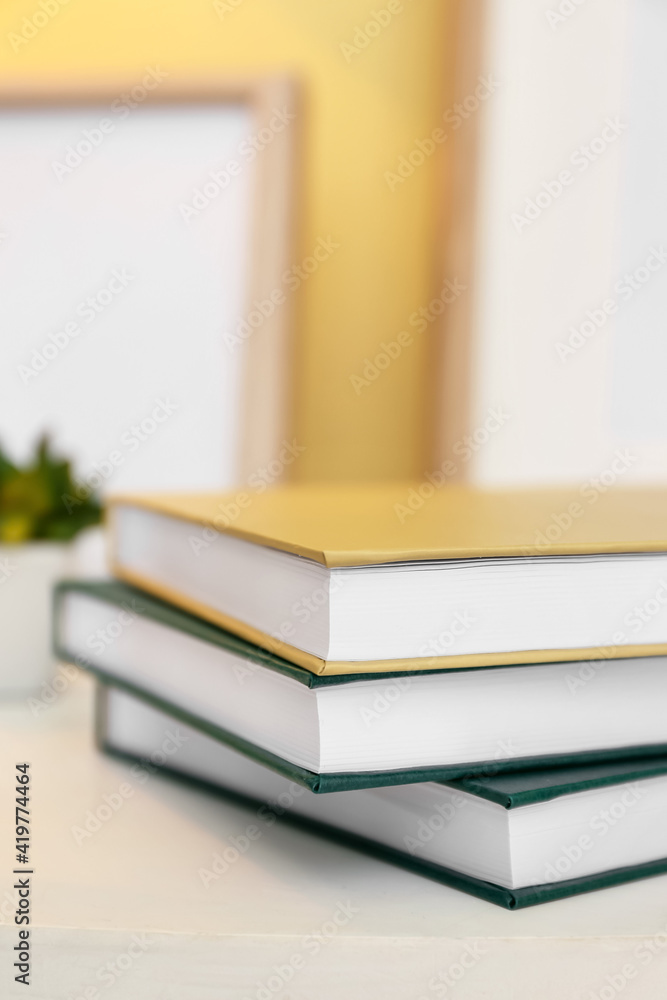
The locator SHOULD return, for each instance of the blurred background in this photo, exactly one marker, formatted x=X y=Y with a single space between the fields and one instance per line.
x=244 y=241
x=362 y=106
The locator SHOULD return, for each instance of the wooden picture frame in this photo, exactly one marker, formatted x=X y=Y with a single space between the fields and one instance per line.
x=553 y=201
x=452 y=373
x=266 y=391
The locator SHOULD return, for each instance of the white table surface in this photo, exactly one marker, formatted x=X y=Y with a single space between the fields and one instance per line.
x=138 y=875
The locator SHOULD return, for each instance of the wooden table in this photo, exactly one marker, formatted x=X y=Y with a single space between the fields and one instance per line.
x=124 y=913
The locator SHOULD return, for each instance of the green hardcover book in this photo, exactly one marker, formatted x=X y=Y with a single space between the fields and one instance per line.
x=344 y=731
x=513 y=839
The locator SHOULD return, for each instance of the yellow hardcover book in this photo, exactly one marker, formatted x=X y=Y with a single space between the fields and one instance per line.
x=354 y=579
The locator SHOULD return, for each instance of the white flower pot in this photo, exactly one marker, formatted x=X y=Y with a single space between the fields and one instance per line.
x=27 y=575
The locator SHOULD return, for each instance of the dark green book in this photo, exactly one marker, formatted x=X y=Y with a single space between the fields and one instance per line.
x=343 y=731
x=513 y=839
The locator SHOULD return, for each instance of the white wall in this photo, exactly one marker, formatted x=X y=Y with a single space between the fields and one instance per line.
x=566 y=70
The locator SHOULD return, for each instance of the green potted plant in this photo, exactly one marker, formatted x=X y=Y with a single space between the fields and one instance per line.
x=38 y=521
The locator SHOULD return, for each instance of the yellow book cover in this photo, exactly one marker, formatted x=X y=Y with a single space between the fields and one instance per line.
x=371 y=525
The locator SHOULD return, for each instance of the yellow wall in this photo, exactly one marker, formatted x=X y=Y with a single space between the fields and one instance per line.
x=363 y=111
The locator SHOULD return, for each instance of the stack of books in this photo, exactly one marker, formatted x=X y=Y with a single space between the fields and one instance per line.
x=472 y=685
